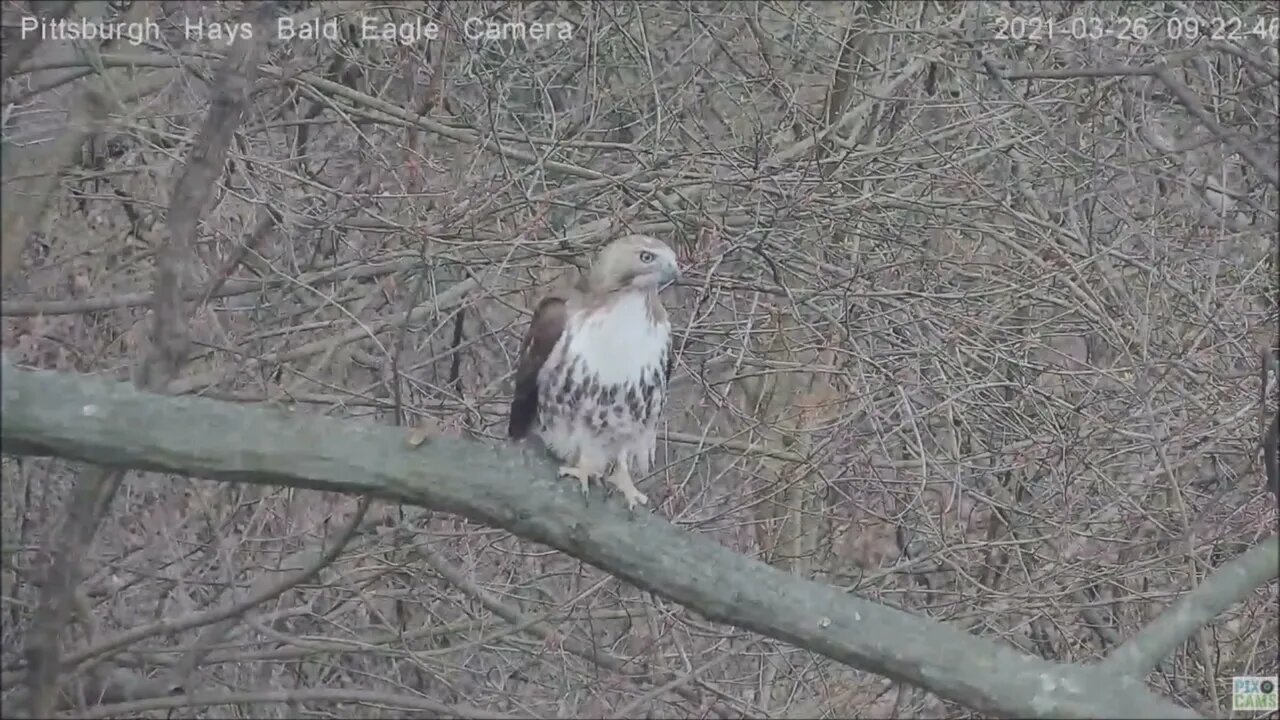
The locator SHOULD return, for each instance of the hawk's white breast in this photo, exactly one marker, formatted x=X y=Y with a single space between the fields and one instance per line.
x=620 y=342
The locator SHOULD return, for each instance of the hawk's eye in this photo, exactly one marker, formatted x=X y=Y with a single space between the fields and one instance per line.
x=646 y=257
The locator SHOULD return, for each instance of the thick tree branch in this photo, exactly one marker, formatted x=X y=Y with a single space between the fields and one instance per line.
x=1227 y=586
x=115 y=424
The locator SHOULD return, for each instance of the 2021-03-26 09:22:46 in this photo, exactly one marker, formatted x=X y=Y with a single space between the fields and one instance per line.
x=1083 y=27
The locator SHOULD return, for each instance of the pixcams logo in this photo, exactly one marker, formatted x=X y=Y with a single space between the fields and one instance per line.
x=1254 y=693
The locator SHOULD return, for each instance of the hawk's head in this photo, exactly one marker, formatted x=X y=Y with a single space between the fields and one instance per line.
x=634 y=261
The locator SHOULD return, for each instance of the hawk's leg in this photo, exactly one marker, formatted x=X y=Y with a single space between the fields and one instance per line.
x=621 y=479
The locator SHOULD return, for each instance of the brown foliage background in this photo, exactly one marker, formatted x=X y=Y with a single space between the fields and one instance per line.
x=962 y=329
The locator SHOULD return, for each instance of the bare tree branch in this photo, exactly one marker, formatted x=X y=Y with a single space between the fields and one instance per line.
x=120 y=685
x=27 y=308
x=543 y=630
x=1230 y=584
x=382 y=700
x=1270 y=451
x=1193 y=106
x=446 y=300
x=191 y=193
x=18 y=50
x=1180 y=91
x=88 y=504
x=114 y=424
x=25 y=205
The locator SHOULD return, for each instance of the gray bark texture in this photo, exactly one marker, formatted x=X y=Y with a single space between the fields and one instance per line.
x=114 y=424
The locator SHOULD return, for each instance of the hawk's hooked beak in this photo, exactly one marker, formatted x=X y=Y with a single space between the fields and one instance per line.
x=670 y=273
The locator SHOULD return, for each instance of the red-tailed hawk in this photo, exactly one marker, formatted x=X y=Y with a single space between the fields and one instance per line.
x=593 y=368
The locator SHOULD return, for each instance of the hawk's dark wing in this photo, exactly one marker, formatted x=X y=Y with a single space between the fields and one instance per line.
x=543 y=333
